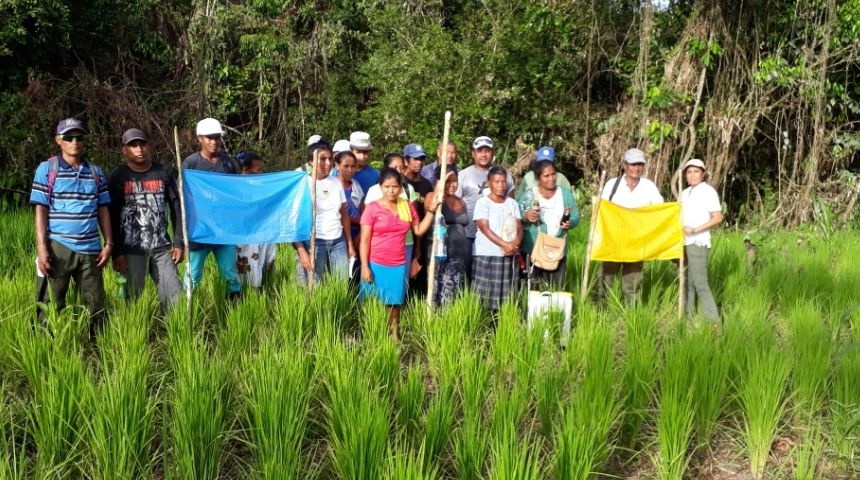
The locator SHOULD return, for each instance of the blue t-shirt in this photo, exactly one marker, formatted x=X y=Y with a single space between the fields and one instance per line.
x=73 y=207
x=366 y=177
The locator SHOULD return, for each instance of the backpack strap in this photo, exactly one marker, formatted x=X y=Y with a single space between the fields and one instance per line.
x=615 y=186
x=53 y=169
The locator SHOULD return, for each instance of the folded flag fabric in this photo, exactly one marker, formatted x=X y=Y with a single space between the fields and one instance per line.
x=226 y=209
x=623 y=234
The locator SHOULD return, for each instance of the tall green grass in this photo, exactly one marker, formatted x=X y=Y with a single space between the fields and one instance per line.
x=810 y=348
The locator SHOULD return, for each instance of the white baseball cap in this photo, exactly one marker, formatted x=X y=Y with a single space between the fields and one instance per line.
x=694 y=162
x=340 y=146
x=360 y=141
x=634 y=156
x=209 y=126
x=481 y=142
x=314 y=139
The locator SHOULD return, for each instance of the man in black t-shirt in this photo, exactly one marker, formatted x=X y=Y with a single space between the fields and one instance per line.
x=142 y=192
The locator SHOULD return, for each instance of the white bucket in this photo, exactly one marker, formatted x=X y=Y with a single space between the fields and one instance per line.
x=541 y=303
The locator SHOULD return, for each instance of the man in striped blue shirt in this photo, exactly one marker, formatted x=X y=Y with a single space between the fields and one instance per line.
x=70 y=196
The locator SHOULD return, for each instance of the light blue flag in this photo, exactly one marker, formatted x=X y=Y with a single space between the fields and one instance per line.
x=224 y=209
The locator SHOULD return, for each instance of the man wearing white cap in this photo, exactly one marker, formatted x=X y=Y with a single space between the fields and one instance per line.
x=629 y=190
x=209 y=159
x=365 y=175
x=700 y=211
x=473 y=179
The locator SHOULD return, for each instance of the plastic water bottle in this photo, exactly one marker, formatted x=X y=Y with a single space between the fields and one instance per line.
x=440 y=239
x=120 y=286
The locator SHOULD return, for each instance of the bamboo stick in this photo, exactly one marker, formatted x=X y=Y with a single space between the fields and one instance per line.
x=583 y=291
x=440 y=197
x=681 y=273
x=313 y=250
x=184 y=226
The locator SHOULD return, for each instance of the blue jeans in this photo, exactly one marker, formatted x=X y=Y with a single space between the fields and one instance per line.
x=225 y=256
x=331 y=256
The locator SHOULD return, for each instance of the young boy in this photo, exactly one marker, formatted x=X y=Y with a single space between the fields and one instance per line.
x=254 y=260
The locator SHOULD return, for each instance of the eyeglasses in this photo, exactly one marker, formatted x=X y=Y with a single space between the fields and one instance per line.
x=72 y=138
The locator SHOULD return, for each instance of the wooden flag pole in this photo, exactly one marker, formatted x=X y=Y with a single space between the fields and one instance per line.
x=313 y=251
x=440 y=198
x=184 y=226
x=583 y=291
x=681 y=273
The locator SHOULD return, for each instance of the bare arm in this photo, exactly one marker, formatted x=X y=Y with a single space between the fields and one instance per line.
x=42 y=239
x=346 y=222
x=364 y=253
x=107 y=233
x=716 y=219
x=509 y=248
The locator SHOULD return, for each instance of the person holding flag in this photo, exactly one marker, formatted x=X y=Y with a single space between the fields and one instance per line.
x=700 y=211
x=629 y=190
x=210 y=159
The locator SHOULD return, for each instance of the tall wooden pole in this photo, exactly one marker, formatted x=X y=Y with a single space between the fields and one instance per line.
x=440 y=198
x=184 y=226
x=595 y=208
x=681 y=273
x=313 y=252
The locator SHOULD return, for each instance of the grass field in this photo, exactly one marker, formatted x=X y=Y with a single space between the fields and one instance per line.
x=287 y=385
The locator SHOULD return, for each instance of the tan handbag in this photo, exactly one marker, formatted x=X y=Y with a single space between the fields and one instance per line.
x=548 y=251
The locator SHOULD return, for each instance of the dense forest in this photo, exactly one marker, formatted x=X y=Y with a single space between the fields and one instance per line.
x=765 y=91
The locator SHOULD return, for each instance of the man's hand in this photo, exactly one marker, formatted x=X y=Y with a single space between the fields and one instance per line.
x=120 y=264
x=304 y=259
x=45 y=261
x=177 y=254
x=104 y=256
x=414 y=268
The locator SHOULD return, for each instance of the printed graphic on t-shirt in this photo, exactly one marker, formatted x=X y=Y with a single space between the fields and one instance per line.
x=144 y=216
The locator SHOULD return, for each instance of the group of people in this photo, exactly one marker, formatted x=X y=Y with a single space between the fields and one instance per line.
x=371 y=226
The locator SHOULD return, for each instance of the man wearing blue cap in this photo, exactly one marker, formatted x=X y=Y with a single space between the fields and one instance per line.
x=413 y=155
x=528 y=181
x=629 y=190
x=71 y=198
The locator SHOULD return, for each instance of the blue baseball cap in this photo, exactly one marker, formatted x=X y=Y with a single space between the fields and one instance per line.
x=69 y=124
x=414 y=150
x=545 y=153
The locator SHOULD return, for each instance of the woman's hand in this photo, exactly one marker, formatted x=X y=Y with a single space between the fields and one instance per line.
x=366 y=274
x=533 y=214
x=510 y=248
x=565 y=225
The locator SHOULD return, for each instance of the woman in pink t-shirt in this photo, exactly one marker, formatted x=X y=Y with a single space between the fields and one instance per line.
x=382 y=247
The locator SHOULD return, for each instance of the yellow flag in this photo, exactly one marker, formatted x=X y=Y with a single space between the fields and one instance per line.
x=623 y=234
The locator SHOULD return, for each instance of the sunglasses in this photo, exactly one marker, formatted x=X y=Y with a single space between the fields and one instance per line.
x=213 y=136
x=72 y=138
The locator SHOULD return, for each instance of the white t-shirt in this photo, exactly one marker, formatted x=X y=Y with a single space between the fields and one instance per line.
x=502 y=218
x=252 y=259
x=644 y=193
x=330 y=198
x=472 y=185
x=551 y=211
x=697 y=204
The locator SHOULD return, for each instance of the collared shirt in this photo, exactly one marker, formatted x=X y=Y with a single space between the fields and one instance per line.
x=644 y=193
x=73 y=206
x=697 y=204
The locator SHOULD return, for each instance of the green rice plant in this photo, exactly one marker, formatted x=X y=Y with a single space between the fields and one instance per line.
x=640 y=369
x=242 y=320
x=710 y=382
x=201 y=400
x=290 y=312
x=409 y=465
x=808 y=453
x=474 y=371
x=276 y=406
x=533 y=346
x=845 y=406
x=516 y=460
x=811 y=348
x=444 y=342
x=471 y=441
x=120 y=409
x=678 y=398
x=381 y=355
x=438 y=424
x=509 y=410
x=357 y=417
x=583 y=438
x=548 y=389
x=506 y=343
x=14 y=463
x=762 y=396
x=409 y=399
